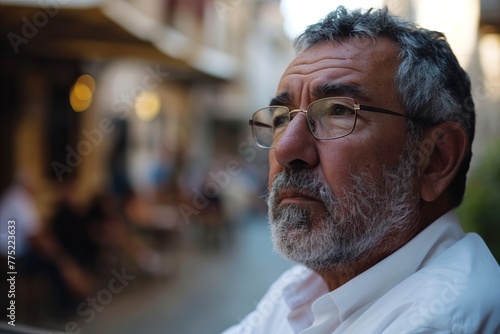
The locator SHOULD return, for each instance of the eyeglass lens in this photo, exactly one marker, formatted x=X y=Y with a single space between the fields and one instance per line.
x=327 y=119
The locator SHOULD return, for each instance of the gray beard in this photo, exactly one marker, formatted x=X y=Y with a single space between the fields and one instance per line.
x=348 y=227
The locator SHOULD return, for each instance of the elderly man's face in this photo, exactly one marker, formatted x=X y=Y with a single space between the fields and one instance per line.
x=334 y=200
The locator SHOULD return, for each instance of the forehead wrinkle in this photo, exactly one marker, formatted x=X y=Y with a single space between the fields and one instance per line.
x=322 y=65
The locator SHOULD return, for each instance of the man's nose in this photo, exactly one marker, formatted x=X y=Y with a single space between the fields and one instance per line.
x=297 y=148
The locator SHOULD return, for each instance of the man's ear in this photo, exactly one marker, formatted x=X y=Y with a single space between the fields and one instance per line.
x=442 y=151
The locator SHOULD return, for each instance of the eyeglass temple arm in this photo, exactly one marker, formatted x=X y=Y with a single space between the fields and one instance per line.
x=252 y=122
x=382 y=111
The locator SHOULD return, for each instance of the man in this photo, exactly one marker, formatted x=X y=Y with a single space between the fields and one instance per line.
x=370 y=139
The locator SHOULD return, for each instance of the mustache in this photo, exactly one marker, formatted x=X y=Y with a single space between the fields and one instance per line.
x=301 y=180
x=297 y=179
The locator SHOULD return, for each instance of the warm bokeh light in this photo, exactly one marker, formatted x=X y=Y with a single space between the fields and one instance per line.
x=81 y=93
x=147 y=105
x=88 y=81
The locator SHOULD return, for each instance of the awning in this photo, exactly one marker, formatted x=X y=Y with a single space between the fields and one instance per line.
x=89 y=30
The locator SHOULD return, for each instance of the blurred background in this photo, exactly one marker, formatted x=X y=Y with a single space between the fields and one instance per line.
x=127 y=162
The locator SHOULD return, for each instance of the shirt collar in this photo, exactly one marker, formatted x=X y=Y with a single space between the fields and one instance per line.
x=303 y=288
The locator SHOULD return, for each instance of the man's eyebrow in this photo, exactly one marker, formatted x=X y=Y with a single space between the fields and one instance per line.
x=283 y=99
x=339 y=89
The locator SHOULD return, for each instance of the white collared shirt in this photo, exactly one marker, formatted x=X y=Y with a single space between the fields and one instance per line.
x=441 y=281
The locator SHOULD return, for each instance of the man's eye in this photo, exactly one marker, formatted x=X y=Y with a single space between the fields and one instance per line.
x=340 y=110
x=281 y=120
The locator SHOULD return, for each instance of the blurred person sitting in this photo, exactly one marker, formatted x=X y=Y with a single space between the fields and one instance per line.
x=38 y=254
x=62 y=256
x=369 y=139
x=18 y=208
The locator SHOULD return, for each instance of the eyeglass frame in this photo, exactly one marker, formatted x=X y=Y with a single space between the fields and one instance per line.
x=357 y=107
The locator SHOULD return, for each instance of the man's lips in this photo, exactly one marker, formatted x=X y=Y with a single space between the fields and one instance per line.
x=295 y=196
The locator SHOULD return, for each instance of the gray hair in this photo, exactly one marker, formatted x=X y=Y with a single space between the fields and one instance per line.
x=431 y=85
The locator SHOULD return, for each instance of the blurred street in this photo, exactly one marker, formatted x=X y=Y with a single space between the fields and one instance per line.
x=210 y=291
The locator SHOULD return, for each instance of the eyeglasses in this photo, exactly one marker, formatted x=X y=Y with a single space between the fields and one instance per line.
x=328 y=118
